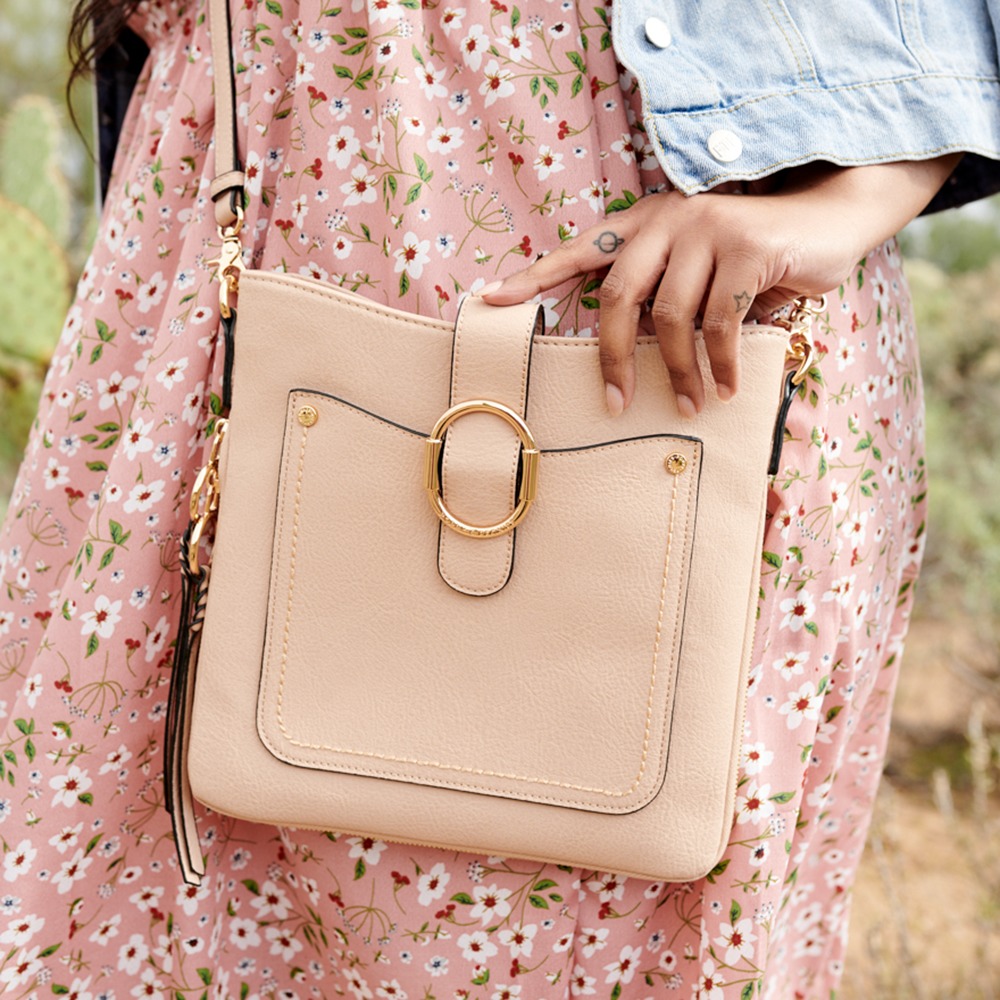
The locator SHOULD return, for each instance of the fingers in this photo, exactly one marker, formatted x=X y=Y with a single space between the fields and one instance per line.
x=592 y=249
x=674 y=310
x=730 y=298
x=622 y=296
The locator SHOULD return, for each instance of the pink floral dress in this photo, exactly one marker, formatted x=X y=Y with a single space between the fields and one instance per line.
x=412 y=150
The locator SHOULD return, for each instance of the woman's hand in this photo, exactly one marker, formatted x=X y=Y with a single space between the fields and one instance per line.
x=724 y=258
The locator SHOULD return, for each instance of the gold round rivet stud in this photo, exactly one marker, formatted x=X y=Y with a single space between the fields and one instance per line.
x=308 y=415
x=675 y=463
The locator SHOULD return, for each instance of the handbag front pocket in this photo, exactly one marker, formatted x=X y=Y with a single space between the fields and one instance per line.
x=556 y=689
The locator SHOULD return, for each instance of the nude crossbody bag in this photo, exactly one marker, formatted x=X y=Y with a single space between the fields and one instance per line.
x=453 y=602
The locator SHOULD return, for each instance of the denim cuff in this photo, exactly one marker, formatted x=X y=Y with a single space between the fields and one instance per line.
x=909 y=118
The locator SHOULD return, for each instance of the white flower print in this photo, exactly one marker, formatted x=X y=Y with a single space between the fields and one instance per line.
x=21 y=930
x=490 y=903
x=71 y=871
x=547 y=162
x=592 y=941
x=115 y=760
x=413 y=125
x=738 y=940
x=106 y=929
x=157 y=637
x=66 y=838
x=367 y=848
x=341 y=246
x=360 y=188
x=429 y=79
x=475 y=43
x=243 y=933
x=69 y=785
x=802 y=704
x=55 y=474
x=283 y=943
x=32 y=689
x=753 y=804
x=791 y=664
x=382 y=11
x=271 y=901
x=503 y=992
x=132 y=955
x=623 y=970
x=595 y=194
x=497 y=83
x=608 y=886
x=444 y=140
x=516 y=41
x=142 y=496
x=451 y=19
x=520 y=940
x=136 y=439
x=413 y=254
x=854 y=527
x=582 y=985
x=431 y=885
x=24 y=967
x=151 y=292
x=386 y=50
x=102 y=619
x=18 y=860
x=798 y=611
x=624 y=148
x=115 y=389
x=710 y=983
x=343 y=146
x=756 y=757
x=172 y=374
x=477 y=947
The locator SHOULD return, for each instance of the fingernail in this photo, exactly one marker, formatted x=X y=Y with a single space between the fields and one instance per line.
x=724 y=392
x=686 y=407
x=491 y=287
x=616 y=401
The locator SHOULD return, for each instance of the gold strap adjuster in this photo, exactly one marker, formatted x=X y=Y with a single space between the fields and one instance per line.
x=529 y=469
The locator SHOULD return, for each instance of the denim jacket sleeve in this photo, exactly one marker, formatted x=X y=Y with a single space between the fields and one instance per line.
x=739 y=89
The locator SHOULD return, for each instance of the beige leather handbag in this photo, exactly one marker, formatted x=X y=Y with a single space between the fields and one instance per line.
x=453 y=602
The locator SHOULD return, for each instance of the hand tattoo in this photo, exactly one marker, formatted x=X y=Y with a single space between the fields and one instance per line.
x=743 y=301
x=608 y=242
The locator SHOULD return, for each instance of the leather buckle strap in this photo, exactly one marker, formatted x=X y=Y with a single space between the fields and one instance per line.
x=481 y=468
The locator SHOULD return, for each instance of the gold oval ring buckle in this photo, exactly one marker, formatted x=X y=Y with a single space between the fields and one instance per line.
x=529 y=469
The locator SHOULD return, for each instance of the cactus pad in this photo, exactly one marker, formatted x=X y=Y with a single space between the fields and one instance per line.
x=34 y=286
x=29 y=163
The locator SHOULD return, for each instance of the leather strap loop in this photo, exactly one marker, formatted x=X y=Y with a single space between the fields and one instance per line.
x=480 y=464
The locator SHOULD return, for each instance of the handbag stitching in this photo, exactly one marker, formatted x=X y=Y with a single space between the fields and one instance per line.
x=696 y=450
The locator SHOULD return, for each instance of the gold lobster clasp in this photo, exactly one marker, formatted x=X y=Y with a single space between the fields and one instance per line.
x=229 y=263
x=799 y=326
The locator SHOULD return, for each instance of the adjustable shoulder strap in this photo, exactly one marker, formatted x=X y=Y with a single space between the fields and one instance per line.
x=227 y=185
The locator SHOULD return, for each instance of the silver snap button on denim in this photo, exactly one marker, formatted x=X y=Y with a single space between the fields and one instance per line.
x=657 y=32
x=725 y=146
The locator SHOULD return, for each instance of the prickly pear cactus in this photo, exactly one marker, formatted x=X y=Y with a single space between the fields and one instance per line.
x=29 y=163
x=34 y=286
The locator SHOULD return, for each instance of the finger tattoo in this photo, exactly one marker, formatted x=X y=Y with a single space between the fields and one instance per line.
x=608 y=242
x=743 y=300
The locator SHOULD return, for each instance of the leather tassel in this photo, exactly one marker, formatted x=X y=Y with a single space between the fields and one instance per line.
x=177 y=788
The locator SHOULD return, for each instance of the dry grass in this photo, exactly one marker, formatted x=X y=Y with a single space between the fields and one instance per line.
x=926 y=917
